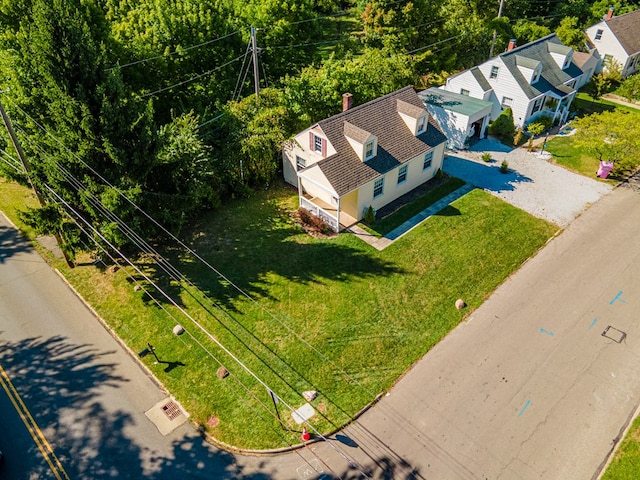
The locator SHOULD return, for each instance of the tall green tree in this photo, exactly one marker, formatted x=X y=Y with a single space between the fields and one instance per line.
x=612 y=136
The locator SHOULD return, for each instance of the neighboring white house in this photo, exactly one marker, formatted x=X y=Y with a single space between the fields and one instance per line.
x=461 y=117
x=367 y=155
x=539 y=78
x=618 y=38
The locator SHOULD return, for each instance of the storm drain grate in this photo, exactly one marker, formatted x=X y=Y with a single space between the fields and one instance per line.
x=171 y=410
x=614 y=334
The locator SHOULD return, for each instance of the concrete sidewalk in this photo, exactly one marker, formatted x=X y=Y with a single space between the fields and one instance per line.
x=380 y=243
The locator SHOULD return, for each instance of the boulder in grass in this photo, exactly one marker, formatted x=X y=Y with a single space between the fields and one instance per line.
x=460 y=304
x=222 y=372
x=310 y=395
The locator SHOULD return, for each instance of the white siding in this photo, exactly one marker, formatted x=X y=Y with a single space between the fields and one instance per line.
x=466 y=81
x=506 y=86
x=608 y=43
x=415 y=177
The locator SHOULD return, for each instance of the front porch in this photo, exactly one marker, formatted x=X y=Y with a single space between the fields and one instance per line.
x=338 y=221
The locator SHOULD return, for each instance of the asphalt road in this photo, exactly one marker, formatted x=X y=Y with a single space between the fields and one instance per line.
x=85 y=394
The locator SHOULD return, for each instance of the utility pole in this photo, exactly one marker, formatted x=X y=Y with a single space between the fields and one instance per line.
x=27 y=169
x=495 y=34
x=254 y=56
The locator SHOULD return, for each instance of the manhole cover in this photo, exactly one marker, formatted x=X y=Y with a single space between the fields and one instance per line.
x=614 y=334
x=171 y=410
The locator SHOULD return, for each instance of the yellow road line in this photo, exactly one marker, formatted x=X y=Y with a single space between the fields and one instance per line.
x=35 y=432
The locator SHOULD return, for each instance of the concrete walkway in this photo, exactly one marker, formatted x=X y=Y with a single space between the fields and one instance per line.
x=380 y=243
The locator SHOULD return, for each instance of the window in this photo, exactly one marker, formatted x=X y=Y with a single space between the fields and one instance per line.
x=506 y=102
x=300 y=163
x=378 y=187
x=402 y=174
x=607 y=58
x=464 y=91
x=537 y=105
x=421 y=122
x=368 y=153
x=428 y=158
x=317 y=144
x=536 y=76
x=598 y=34
x=566 y=63
x=494 y=72
x=571 y=84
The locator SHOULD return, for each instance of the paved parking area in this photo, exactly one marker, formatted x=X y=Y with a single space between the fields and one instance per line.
x=533 y=183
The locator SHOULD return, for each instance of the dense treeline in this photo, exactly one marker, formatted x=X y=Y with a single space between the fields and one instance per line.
x=155 y=95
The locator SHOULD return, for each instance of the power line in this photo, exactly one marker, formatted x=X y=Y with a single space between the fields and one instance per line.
x=182 y=50
x=191 y=79
x=436 y=43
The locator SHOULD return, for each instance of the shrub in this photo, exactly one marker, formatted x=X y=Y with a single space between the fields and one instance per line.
x=316 y=223
x=503 y=126
x=439 y=174
x=517 y=140
x=370 y=216
x=504 y=166
x=630 y=88
x=486 y=156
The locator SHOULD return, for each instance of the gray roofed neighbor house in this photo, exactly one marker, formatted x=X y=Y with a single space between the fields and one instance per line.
x=553 y=77
x=396 y=143
x=626 y=28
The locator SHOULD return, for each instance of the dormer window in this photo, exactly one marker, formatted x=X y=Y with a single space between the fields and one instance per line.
x=421 y=124
x=494 y=72
x=536 y=76
x=368 y=152
x=317 y=144
x=598 y=34
x=566 y=62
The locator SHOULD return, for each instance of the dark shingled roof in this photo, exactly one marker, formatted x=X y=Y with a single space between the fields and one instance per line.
x=396 y=144
x=626 y=28
x=553 y=77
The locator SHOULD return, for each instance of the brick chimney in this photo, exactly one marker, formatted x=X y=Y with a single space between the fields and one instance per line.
x=609 y=15
x=347 y=100
x=512 y=44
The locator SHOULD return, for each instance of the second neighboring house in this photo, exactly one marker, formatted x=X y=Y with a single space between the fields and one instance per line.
x=618 y=38
x=368 y=155
x=539 y=78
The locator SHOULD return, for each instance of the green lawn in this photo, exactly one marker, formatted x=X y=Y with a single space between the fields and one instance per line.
x=563 y=149
x=626 y=462
x=333 y=315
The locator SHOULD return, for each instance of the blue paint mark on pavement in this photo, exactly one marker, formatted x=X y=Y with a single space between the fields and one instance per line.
x=593 y=323
x=525 y=407
x=543 y=330
x=617 y=297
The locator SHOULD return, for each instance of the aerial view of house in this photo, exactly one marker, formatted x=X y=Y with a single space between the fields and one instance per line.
x=538 y=78
x=366 y=156
x=618 y=38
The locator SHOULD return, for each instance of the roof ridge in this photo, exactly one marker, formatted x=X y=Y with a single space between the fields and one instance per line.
x=528 y=45
x=359 y=107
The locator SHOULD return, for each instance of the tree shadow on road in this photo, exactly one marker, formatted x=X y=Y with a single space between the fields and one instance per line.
x=60 y=384
x=12 y=243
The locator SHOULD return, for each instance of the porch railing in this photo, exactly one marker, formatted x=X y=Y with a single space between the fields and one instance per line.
x=319 y=212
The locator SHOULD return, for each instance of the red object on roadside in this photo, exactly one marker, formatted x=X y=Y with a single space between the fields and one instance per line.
x=305 y=435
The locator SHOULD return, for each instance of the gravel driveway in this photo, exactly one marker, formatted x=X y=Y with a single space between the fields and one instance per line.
x=533 y=183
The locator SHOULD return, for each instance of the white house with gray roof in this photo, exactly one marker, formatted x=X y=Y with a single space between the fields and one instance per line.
x=368 y=155
x=539 y=78
x=618 y=38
